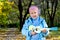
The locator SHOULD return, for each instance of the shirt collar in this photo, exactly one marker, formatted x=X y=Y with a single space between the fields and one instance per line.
x=35 y=19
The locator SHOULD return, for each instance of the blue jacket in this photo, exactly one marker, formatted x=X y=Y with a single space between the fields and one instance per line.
x=36 y=22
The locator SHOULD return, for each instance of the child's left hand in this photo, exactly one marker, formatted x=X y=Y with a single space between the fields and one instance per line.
x=44 y=30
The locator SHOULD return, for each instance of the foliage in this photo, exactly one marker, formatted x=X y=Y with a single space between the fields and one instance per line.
x=8 y=12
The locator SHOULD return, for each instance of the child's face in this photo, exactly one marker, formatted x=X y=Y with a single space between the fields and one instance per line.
x=34 y=13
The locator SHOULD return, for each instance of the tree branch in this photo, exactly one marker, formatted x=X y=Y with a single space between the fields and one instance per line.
x=27 y=12
x=56 y=3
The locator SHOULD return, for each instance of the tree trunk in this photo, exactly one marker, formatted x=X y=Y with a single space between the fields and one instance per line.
x=51 y=22
x=20 y=10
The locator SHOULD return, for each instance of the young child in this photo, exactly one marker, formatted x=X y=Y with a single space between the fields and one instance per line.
x=35 y=20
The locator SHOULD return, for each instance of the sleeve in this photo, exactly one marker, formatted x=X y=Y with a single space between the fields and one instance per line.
x=25 y=30
x=45 y=26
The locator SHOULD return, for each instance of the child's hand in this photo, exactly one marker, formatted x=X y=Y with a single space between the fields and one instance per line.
x=44 y=30
x=33 y=33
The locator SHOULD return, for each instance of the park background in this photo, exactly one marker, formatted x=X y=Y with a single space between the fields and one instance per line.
x=13 y=14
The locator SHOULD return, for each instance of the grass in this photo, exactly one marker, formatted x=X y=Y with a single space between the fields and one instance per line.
x=54 y=35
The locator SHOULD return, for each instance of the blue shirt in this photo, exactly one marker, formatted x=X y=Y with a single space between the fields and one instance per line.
x=36 y=22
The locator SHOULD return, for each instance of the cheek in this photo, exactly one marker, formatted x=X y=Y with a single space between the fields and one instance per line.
x=37 y=14
x=31 y=15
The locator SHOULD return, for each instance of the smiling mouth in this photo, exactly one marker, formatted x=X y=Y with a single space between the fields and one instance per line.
x=34 y=16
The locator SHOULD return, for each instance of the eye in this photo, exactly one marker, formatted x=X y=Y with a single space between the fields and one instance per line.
x=31 y=13
x=34 y=12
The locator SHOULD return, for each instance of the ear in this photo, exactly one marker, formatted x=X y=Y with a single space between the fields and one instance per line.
x=39 y=11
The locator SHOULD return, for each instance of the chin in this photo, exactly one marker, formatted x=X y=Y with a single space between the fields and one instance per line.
x=34 y=17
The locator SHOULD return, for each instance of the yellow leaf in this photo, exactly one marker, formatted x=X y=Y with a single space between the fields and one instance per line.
x=0 y=11
x=8 y=2
x=1 y=3
x=0 y=7
x=4 y=14
x=12 y=3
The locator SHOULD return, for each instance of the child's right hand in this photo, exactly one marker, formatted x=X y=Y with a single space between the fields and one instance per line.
x=33 y=33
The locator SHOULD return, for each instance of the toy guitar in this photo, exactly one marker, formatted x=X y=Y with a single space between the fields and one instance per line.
x=37 y=29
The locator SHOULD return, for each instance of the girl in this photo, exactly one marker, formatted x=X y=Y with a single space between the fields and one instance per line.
x=35 y=20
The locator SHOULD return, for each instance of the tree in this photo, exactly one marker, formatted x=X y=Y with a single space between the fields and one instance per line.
x=4 y=6
x=52 y=10
x=49 y=9
x=21 y=9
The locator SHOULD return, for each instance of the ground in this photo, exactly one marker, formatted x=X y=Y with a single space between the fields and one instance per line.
x=14 y=34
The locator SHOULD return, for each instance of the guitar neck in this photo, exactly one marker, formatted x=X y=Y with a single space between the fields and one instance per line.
x=53 y=28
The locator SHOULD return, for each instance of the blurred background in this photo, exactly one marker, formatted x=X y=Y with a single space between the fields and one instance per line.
x=13 y=14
